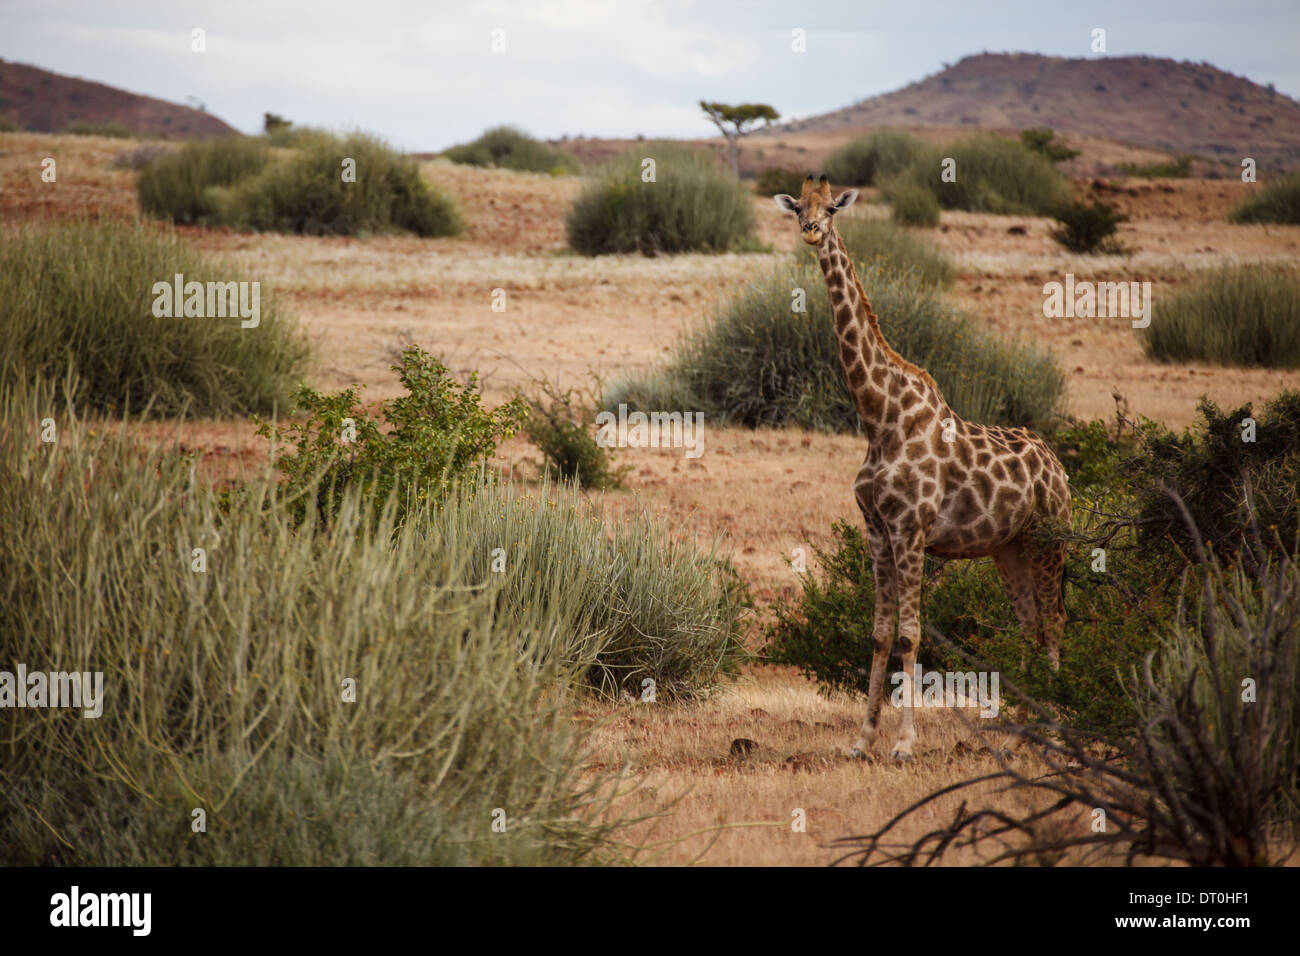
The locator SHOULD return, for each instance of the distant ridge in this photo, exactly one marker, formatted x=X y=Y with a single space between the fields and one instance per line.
x=46 y=102
x=1148 y=101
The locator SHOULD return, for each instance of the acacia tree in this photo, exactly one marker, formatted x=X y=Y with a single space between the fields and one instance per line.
x=737 y=121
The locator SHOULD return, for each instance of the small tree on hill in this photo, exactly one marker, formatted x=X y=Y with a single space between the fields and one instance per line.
x=737 y=121
x=274 y=123
x=1044 y=141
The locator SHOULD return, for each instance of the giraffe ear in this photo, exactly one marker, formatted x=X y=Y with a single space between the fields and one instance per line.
x=786 y=203
x=845 y=200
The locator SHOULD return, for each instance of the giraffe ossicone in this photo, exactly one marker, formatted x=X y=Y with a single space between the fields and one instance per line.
x=931 y=481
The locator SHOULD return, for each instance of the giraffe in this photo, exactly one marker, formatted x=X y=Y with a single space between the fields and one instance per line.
x=932 y=482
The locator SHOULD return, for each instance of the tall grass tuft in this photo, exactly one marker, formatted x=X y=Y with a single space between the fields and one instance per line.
x=1278 y=202
x=692 y=205
x=78 y=296
x=350 y=693
x=1236 y=315
x=868 y=160
x=992 y=174
x=176 y=185
x=758 y=363
x=892 y=247
x=508 y=148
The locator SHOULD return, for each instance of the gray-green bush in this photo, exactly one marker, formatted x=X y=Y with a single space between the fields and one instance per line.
x=914 y=205
x=176 y=185
x=306 y=192
x=508 y=148
x=1236 y=315
x=1277 y=201
x=239 y=182
x=868 y=160
x=694 y=204
x=78 y=296
x=758 y=363
x=992 y=174
x=224 y=683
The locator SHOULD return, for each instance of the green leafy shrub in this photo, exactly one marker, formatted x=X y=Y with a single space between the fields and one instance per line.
x=757 y=363
x=892 y=248
x=437 y=433
x=509 y=148
x=1087 y=228
x=7 y=125
x=1092 y=458
x=78 y=297
x=1206 y=777
x=1246 y=314
x=1278 y=201
x=776 y=180
x=693 y=205
x=306 y=192
x=1112 y=618
x=993 y=174
x=1043 y=140
x=176 y=186
x=561 y=423
x=868 y=160
x=1213 y=470
x=914 y=205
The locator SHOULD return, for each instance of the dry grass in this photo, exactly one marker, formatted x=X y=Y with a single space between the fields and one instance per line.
x=724 y=809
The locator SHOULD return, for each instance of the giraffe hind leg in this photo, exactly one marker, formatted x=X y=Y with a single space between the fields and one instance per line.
x=1049 y=594
x=1018 y=577
x=1017 y=574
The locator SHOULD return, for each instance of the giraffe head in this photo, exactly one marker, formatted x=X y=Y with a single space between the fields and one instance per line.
x=814 y=207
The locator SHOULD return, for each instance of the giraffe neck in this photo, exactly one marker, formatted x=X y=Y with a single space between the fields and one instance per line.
x=876 y=375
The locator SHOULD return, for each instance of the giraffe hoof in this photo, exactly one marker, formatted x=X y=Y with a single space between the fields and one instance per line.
x=901 y=755
x=856 y=754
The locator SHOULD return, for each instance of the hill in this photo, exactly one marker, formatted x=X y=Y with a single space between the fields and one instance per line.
x=45 y=102
x=1145 y=101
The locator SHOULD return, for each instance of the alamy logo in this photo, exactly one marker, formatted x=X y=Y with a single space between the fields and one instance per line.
x=25 y=688
x=211 y=300
x=948 y=689
x=103 y=909
x=1098 y=300
x=656 y=430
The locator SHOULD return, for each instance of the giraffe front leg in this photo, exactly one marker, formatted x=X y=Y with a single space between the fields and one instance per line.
x=883 y=643
x=909 y=560
x=882 y=633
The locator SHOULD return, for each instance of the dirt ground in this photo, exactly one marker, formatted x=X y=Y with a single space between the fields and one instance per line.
x=764 y=493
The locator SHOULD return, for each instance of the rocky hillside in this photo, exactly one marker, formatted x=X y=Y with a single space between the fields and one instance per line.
x=46 y=102
x=1142 y=100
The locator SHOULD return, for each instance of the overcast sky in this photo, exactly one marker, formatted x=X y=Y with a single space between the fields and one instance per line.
x=425 y=75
